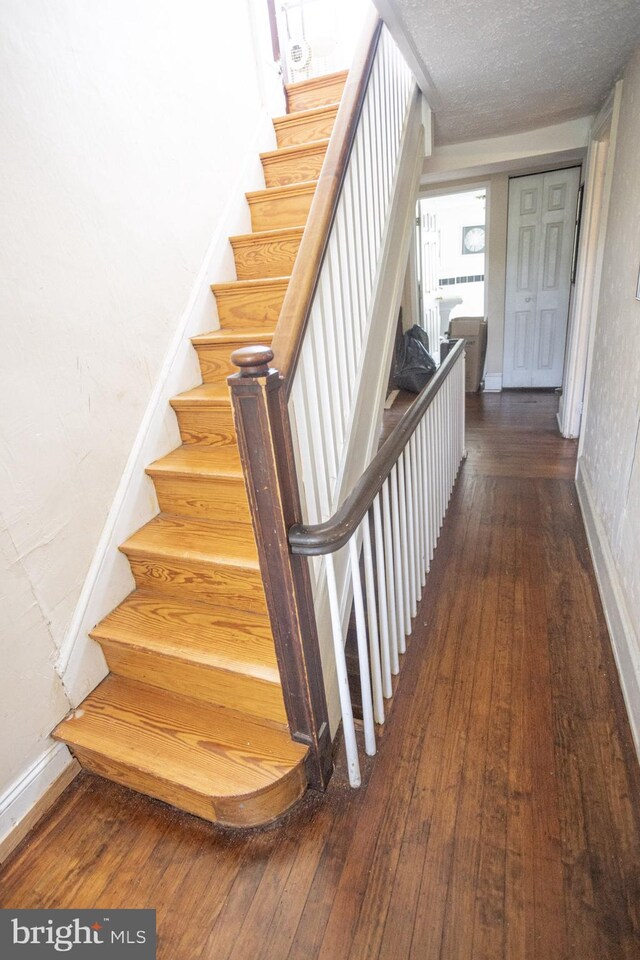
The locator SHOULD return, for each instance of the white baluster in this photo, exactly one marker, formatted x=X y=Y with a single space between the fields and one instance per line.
x=402 y=523
x=433 y=478
x=426 y=494
x=441 y=460
x=358 y=201
x=344 y=280
x=335 y=350
x=363 y=653
x=381 y=566
x=320 y=450
x=348 y=726
x=369 y=177
x=372 y=621
x=410 y=533
x=391 y=565
x=397 y=560
x=351 y=257
x=416 y=471
x=324 y=376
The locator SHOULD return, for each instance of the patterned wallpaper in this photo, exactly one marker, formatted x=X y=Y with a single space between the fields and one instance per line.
x=611 y=449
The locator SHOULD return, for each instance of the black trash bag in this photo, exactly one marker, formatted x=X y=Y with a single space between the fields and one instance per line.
x=413 y=364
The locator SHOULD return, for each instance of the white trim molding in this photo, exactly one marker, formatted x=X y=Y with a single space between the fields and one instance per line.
x=584 y=307
x=492 y=382
x=32 y=793
x=624 y=637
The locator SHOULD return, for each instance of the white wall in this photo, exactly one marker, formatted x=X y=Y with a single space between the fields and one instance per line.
x=130 y=130
x=609 y=464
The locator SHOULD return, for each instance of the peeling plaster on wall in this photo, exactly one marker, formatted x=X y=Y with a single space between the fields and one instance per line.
x=33 y=699
x=500 y=66
x=610 y=443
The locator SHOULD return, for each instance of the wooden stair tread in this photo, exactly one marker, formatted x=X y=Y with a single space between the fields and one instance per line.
x=297 y=115
x=315 y=92
x=324 y=79
x=266 y=253
x=232 y=336
x=295 y=150
x=249 y=304
x=293 y=164
x=304 y=125
x=284 y=190
x=280 y=233
x=206 y=749
x=214 y=394
x=183 y=538
x=191 y=460
x=240 y=286
x=286 y=200
x=202 y=633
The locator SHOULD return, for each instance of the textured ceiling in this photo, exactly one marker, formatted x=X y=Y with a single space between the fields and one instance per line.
x=500 y=66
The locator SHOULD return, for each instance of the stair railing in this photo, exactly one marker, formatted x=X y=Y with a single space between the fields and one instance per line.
x=391 y=520
x=308 y=429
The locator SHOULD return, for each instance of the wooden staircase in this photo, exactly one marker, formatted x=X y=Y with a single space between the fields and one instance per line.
x=192 y=711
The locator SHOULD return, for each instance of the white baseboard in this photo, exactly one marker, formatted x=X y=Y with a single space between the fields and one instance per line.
x=81 y=664
x=493 y=382
x=624 y=638
x=29 y=796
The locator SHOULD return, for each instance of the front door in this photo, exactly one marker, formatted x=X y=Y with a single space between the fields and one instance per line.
x=542 y=210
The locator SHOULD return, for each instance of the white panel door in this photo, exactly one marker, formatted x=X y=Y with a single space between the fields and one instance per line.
x=542 y=211
x=430 y=255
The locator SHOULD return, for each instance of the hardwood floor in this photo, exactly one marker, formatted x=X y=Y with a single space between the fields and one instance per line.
x=500 y=818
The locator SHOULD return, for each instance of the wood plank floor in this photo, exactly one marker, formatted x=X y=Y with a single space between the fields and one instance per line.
x=500 y=818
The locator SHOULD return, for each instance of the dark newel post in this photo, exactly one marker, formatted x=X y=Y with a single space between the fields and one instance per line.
x=264 y=438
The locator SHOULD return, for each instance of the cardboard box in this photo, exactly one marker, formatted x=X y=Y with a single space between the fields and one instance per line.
x=473 y=330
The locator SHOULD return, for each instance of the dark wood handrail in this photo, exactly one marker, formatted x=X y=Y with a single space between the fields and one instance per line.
x=315 y=540
x=289 y=332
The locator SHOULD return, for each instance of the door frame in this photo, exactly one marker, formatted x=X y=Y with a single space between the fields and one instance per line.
x=576 y=165
x=584 y=303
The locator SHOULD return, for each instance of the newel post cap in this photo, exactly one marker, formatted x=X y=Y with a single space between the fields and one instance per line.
x=253 y=361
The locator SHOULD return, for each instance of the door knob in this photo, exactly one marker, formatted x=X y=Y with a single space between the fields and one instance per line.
x=528 y=299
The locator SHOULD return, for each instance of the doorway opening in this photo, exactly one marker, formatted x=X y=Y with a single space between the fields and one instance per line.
x=541 y=249
x=450 y=259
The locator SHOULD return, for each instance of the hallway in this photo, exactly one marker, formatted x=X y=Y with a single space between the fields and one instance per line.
x=501 y=817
